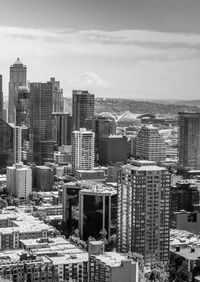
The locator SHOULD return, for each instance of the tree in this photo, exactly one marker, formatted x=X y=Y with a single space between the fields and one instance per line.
x=3 y=203
x=182 y=274
x=159 y=273
x=140 y=260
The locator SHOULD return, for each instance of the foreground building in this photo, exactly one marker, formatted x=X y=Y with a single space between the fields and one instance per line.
x=97 y=211
x=143 y=211
x=110 y=266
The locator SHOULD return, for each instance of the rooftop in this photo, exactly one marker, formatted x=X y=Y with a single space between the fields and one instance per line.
x=145 y=167
x=111 y=259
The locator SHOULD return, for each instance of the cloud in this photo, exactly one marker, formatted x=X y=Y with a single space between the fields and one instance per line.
x=127 y=44
x=134 y=60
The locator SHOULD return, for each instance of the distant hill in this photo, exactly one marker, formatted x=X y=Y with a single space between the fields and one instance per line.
x=161 y=107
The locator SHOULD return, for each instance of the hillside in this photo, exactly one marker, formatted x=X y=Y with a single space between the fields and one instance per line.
x=119 y=106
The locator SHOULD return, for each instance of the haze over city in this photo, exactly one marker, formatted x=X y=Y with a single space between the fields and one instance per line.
x=130 y=49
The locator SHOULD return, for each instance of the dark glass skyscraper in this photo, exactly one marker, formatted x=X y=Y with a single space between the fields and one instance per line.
x=100 y=126
x=41 y=121
x=1 y=98
x=62 y=128
x=82 y=108
x=6 y=144
x=97 y=212
x=189 y=139
x=17 y=78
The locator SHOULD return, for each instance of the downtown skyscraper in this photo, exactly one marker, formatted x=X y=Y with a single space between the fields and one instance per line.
x=41 y=122
x=1 y=97
x=189 y=139
x=143 y=211
x=82 y=108
x=17 y=78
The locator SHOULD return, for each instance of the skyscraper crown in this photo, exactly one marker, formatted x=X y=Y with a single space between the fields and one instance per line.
x=18 y=62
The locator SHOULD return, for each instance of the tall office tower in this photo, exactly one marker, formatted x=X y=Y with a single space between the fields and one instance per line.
x=23 y=106
x=17 y=143
x=150 y=144
x=82 y=150
x=62 y=128
x=41 y=122
x=100 y=126
x=113 y=149
x=189 y=139
x=17 y=78
x=82 y=108
x=97 y=211
x=110 y=266
x=6 y=144
x=19 y=180
x=58 y=102
x=1 y=98
x=143 y=211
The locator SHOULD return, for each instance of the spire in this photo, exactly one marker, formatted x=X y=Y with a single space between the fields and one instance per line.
x=18 y=62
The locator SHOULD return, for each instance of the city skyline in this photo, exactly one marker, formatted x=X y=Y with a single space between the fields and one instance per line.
x=131 y=49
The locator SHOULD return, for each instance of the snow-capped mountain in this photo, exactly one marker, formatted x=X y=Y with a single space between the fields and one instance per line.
x=89 y=80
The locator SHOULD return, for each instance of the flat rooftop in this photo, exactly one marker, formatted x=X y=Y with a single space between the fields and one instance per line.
x=145 y=167
x=111 y=259
x=187 y=253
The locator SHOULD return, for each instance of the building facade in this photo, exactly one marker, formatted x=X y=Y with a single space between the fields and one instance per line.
x=82 y=150
x=189 y=139
x=150 y=144
x=110 y=266
x=19 y=180
x=143 y=211
x=62 y=128
x=23 y=106
x=17 y=78
x=1 y=97
x=41 y=122
x=100 y=126
x=58 y=103
x=17 y=143
x=97 y=211
x=113 y=149
x=82 y=108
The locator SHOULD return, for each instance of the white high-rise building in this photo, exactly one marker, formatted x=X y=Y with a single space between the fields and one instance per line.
x=143 y=211
x=19 y=180
x=82 y=150
x=17 y=143
x=150 y=144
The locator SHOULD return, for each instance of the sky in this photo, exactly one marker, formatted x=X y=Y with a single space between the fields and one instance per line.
x=114 y=48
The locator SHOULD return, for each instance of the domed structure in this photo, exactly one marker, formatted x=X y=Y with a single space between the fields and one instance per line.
x=107 y=115
x=128 y=118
